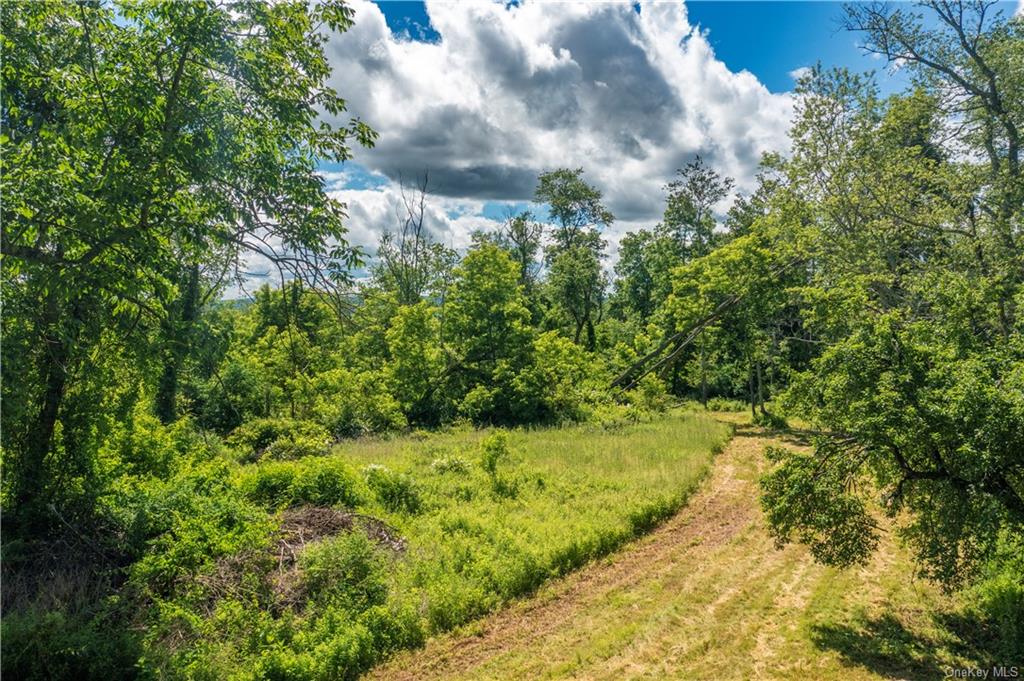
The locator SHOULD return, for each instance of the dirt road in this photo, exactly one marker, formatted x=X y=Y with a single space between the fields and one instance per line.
x=708 y=596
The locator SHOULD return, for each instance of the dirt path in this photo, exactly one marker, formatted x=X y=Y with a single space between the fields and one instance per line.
x=706 y=595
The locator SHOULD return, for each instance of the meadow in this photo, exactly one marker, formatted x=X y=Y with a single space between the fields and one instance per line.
x=321 y=566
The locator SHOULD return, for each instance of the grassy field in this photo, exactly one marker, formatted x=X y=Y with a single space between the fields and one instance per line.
x=554 y=499
x=708 y=596
x=320 y=567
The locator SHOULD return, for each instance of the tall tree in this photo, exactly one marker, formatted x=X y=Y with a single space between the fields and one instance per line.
x=689 y=211
x=577 y=282
x=915 y=295
x=410 y=261
x=133 y=133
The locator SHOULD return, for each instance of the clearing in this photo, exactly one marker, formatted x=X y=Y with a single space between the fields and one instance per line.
x=707 y=595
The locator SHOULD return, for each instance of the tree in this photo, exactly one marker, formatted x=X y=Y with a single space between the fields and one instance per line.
x=410 y=262
x=914 y=297
x=576 y=283
x=487 y=325
x=521 y=236
x=134 y=134
x=689 y=211
x=574 y=205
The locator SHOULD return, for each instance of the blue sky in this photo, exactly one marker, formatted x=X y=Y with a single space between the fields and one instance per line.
x=485 y=97
x=768 y=38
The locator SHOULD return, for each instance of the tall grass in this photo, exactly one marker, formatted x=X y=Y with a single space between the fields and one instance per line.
x=469 y=520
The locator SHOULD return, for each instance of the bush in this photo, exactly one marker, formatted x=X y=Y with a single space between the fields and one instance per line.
x=770 y=421
x=346 y=571
x=449 y=464
x=350 y=403
x=279 y=439
x=320 y=481
x=998 y=598
x=726 y=404
x=493 y=449
x=648 y=398
x=395 y=491
x=56 y=645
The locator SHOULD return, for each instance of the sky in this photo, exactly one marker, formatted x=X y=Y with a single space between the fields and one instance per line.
x=484 y=96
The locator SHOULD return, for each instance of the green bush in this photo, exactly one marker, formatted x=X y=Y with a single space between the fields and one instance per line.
x=726 y=404
x=998 y=598
x=346 y=571
x=279 y=438
x=327 y=481
x=395 y=491
x=55 y=645
x=493 y=449
x=770 y=420
x=450 y=464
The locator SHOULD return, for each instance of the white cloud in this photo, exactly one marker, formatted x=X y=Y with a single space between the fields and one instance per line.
x=506 y=93
x=450 y=221
x=797 y=74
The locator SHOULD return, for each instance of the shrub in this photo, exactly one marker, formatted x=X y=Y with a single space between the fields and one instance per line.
x=726 y=404
x=56 y=645
x=346 y=571
x=449 y=464
x=395 y=491
x=493 y=449
x=998 y=597
x=770 y=421
x=286 y=437
x=648 y=398
x=350 y=403
x=326 y=481
x=286 y=449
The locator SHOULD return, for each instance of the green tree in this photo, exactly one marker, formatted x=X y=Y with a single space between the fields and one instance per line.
x=576 y=282
x=487 y=326
x=914 y=298
x=134 y=133
x=689 y=210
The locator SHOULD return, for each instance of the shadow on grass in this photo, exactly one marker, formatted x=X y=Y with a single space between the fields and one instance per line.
x=884 y=646
x=790 y=436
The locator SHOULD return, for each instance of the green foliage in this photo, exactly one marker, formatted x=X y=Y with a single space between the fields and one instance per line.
x=998 y=597
x=346 y=571
x=725 y=404
x=320 y=481
x=800 y=498
x=770 y=420
x=417 y=363
x=114 y=113
x=279 y=439
x=493 y=450
x=44 y=646
x=396 y=492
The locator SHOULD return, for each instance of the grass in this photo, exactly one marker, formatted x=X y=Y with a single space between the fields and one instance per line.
x=708 y=595
x=557 y=498
x=320 y=567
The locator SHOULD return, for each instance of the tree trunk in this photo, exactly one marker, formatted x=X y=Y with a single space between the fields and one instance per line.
x=760 y=387
x=750 y=390
x=177 y=329
x=53 y=370
x=703 y=380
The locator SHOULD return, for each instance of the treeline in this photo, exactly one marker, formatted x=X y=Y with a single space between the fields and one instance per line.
x=523 y=328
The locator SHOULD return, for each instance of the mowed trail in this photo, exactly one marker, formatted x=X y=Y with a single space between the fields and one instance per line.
x=705 y=596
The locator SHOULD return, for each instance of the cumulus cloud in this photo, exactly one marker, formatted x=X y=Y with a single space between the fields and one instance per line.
x=797 y=74
x=449 y=220
x=629 y=92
